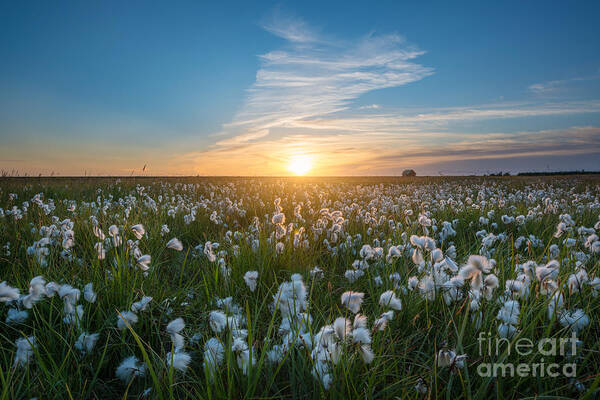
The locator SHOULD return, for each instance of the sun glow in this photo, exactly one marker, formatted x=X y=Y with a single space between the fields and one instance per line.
x=300 y=164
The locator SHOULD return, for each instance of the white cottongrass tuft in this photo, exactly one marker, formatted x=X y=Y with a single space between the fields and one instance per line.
x=217 y=321
x=24 y=353
x=362 y=337
x=449 y=359
x=214 y=354
x=124 y=316
x=242 y=353
x=37 y=290
x=143 y=262
x=576 y=319
x=173 y=329
x=86 y=342
x=251 y=278
x=352 y=300
x=179 y=360
x=88 y=293
x=138 y=230
x=381 y=323
x=389 y=299
x=141 y=305
x=15 y=316
x=175 y=244
x=130 y=368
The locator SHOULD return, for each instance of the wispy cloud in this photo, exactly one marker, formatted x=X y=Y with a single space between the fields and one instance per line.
x=304 y=101
x=556 y=86
x=355 y=153
x=415 y=121
x=370 y=107
x=312 y=77
x=289 y=27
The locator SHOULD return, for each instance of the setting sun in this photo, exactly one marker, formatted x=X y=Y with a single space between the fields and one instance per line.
x=300 y=164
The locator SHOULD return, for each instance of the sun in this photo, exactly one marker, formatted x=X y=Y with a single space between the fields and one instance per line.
x=300 y=164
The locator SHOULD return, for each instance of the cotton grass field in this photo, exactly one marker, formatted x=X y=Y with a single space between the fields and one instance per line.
x=391 y=288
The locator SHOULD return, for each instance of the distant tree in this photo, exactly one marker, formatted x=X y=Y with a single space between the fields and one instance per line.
x=409 y=172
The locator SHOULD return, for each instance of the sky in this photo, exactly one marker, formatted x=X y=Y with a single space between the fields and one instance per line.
x=278 y=88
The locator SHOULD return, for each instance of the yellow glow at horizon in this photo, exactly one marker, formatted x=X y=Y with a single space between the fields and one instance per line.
x=300 y=164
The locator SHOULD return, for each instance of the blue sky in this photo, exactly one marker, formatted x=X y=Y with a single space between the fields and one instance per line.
x=245 y=87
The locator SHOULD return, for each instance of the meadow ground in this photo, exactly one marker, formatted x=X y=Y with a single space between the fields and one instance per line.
x=299 y=288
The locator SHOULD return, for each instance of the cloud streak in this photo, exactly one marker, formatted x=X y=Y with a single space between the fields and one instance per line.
x=312 y=77
x=303 y=101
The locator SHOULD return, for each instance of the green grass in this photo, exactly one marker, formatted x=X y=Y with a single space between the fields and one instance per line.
x=404 y=353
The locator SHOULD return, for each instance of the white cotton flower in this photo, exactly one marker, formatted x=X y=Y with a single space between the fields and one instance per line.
x=126 y=316
x=100 y=251
x=449 y=359
x=352 y=300
x=98 y=233
x=545 y=272
x=175 y=326
x=277 y=353
x=86 y=342
x=130 y=368
x=37 y=286
x=509 y=313
x=24 y=353
x=138 y=230
x=173 y=329
x=250 y=278
x=217 y=321
x=52 y=288
x=506 y=331
x=179 y=360
x=15 y=316
x=382 y=322
x=474 y=269
x=421 y=387
x=141 y=305
x=113 y=232
x=69 y=294
x=316 y=273
x=279 y=248
x=413 y=283
x=143 y=262
x=214 y=354
x=290 y=298
x=341 y=328
x=73 y=316
x=37 y=290
x=389 y=299
x=490 y=283
x=278 y=218
x=242 y=353
x=175 y=244
x=353 y=274
x=427 y=287
x=518 y=288
x=393 y=253
x=577 y=280
x=577 y=320
x=321 y=372
x=7 y=293
x=164 y=229
x=88 y=293
x=595 y=285
x=362 y=337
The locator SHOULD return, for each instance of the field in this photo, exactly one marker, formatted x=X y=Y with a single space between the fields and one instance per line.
x=299 y=288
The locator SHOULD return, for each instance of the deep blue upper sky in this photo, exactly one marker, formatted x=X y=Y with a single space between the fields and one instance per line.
x=173 y=73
